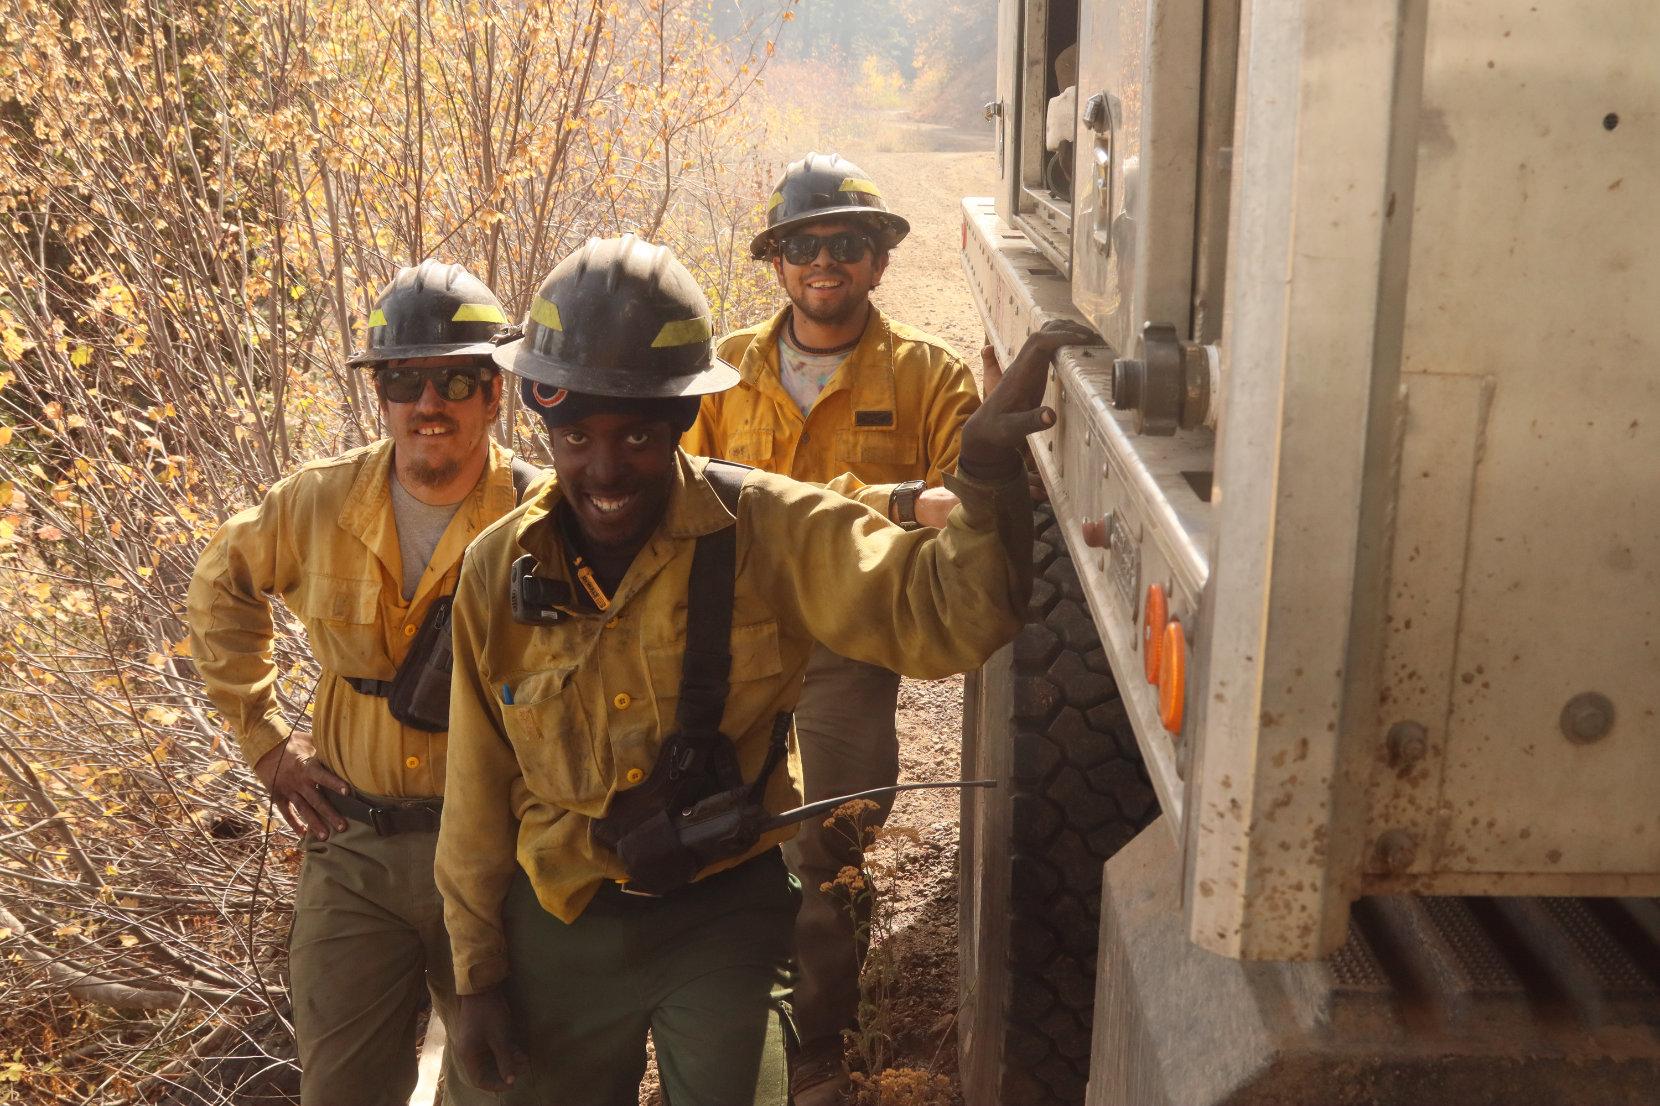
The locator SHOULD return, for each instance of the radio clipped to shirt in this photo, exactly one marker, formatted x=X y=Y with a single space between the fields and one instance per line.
x=418 y=695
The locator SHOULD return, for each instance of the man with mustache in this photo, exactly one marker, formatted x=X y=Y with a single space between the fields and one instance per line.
x=835 y=392
x=628 y=647
x=365 y=549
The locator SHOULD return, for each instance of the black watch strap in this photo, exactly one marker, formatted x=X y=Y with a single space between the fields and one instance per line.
x=902 y=503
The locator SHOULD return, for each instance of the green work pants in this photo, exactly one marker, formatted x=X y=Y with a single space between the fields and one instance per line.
x=706 y=969
x=368 y=946
x=845 y=724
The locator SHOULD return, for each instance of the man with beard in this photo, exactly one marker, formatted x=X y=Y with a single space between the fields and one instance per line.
x=365 y=549
x=835 y=392
x=628 y=647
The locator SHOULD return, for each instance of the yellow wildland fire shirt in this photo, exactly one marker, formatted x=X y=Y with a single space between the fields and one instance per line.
x=325 y=540
x=548 y=723
x=893 y=412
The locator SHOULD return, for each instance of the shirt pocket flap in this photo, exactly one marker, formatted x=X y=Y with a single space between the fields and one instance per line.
x=755 y=656
x=750 y=446
x=891 y=447
x=534 y=687
x=338 y=599
x=554 y=740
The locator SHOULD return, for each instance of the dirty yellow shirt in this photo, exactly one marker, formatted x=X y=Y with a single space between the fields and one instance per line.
x=548 y=723
x=894 y=411
x=325 y=541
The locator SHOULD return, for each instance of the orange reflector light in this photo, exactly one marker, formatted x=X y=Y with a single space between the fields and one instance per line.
x=1172 y=677
x=1155 y=613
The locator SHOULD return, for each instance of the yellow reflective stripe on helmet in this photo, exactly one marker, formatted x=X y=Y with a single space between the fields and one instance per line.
x=377 y=317
x=777 y=198
x=682 y=332
x=478 y=313
x=545 y=313
x=859 y=184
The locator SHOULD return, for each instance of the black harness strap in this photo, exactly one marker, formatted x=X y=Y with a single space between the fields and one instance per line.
x=695 y=808
x=523 y=474
x=365 y=686
x=706 y=669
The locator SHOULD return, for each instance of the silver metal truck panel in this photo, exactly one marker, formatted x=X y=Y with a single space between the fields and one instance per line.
x=1420 y=590
x=1004 y=112
x=1139 y=79
x=1273 y=848
x=1147 y=497
x=1535 y=275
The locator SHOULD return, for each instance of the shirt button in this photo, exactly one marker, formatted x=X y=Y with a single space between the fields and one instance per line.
x=805 y=438
x=409 y=630
x=611 y=623
x=634 y=775
x=622 y=700
x=411 y=762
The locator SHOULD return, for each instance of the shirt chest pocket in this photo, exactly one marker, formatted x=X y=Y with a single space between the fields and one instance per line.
x=750 y=446
x=342 y=622
x=880 y=447
x=554 y=740
x=756 y=664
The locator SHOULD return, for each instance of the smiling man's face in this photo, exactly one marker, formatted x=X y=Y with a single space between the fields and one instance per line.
x=825 y=290
x=616 y=470
x=437 y=440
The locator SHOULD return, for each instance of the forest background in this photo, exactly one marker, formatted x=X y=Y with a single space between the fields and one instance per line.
x=198 y=202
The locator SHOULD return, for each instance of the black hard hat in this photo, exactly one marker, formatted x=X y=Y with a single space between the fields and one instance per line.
x=620 y=317
x=432 y=310
x=827 y=186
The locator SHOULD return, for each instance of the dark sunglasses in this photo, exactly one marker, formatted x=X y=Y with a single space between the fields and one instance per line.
x=452 y=382
x=846 y=246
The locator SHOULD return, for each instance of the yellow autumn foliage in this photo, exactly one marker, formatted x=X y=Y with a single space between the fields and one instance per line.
x=197 y=203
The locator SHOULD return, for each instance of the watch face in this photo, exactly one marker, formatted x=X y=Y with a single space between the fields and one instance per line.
x=904 y=502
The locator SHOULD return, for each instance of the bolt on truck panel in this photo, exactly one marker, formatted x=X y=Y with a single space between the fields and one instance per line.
x=1361 y=492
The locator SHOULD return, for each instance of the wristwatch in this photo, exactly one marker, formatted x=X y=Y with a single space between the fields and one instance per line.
x=902 y=503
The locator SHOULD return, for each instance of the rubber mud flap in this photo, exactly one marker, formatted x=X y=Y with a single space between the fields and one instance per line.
x=1045 y=716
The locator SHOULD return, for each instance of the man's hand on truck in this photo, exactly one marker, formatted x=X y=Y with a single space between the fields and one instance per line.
x=995 y=434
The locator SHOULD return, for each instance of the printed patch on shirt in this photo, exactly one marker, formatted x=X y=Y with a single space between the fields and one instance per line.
x=873 y=418
x=547 y=395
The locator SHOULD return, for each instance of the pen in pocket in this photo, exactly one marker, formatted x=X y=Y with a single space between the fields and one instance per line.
x=507 y=694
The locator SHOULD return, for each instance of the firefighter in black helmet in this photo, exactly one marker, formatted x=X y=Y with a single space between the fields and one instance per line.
x=837 y=392
x=821 y=187
x=365 y=549
x=628 y=646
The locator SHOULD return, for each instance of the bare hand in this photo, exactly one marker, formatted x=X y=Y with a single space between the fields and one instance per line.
x=994 y=434
x=484 y=1043
x=991 y=373
x=934 y=506
x=296 y=780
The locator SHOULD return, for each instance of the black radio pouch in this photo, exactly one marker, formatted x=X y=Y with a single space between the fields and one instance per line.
x=418 y=695
x=694 y=809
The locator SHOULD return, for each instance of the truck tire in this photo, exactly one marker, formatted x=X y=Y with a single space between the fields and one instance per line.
x=1044 y=718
